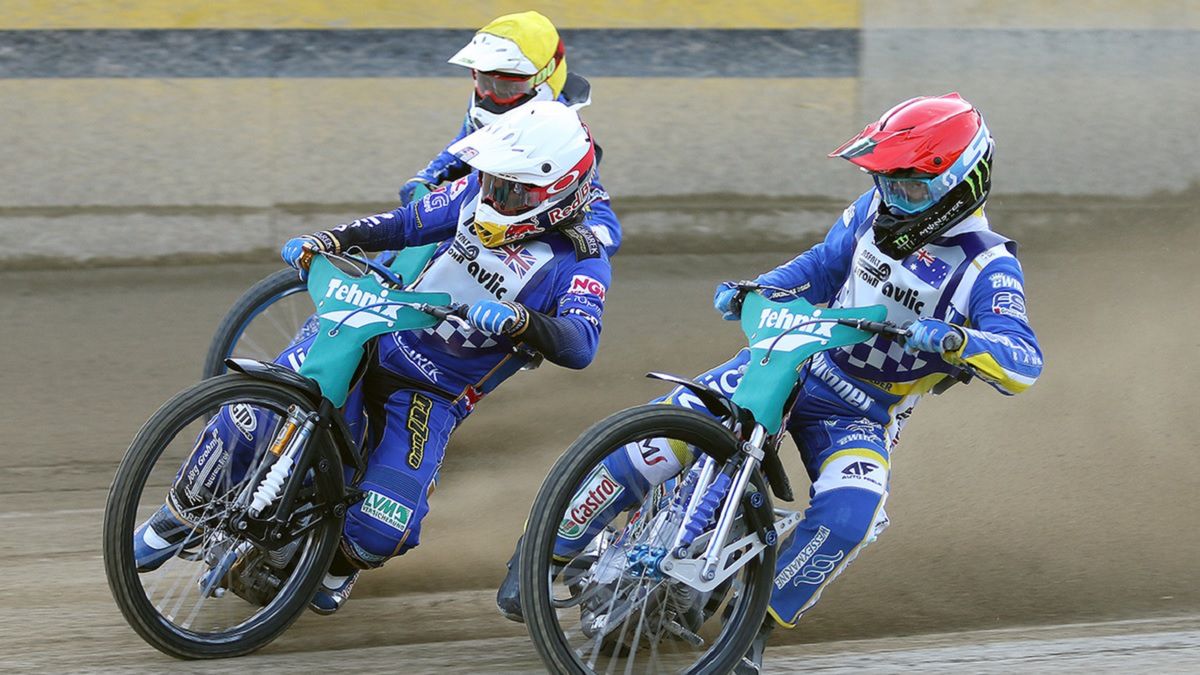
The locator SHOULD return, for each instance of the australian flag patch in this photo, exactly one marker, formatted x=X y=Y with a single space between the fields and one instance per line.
x=928 y=268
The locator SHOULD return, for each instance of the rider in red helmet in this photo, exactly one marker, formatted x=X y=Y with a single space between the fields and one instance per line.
x=918 y=243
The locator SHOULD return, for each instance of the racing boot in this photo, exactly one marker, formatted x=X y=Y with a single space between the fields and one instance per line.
x=751 y=663
x=508 y=597
x=159 y=538
x=333 y=592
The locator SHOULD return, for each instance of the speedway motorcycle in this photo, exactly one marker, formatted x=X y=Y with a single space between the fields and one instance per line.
x=265 y=519
x=679 y=582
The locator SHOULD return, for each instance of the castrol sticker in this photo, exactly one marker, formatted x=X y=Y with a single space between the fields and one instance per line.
x=598 y=491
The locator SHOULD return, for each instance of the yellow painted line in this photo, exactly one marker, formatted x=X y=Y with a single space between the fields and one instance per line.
x=1033 y=14
x=316 y=14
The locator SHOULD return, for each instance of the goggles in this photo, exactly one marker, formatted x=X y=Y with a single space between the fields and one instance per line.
x=909 y=195
x=502 y=88
x=509 y=197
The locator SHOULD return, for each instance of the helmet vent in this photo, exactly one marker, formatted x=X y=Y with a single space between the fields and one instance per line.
x=937 y=161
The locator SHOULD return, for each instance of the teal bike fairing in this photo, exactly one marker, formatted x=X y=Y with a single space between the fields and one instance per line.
x=350 y=311
x=782 y=336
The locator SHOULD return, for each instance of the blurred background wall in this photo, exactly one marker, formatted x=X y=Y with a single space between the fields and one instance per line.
x=143 y=129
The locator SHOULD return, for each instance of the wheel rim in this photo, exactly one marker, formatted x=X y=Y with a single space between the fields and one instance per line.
x=183 y=592
x=614 y=615
x=272 y=326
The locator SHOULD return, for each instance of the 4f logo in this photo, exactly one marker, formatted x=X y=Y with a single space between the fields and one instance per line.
x=859 y=469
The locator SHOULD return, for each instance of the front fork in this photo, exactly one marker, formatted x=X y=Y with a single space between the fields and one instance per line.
x=725 y=488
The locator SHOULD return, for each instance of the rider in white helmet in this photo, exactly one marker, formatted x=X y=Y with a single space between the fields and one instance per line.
x=515 y=249
x=514 y=60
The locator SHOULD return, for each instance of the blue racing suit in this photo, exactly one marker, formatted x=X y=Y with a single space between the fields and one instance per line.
x=419 y=385
x=599 y=215
x=855 y=400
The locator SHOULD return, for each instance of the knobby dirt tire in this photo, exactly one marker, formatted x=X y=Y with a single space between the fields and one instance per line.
x=560 y=486
x=121 y=512
x=267 y=291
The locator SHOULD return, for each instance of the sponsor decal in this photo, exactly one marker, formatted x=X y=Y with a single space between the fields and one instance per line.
x=927 y=267
x=1009 y=303
x=846 y=390
x=436 y=200
x=802 y=558
x=585 y=285
x=244 y=419
x=848 y=215
x=582 y=196
x=418 y=426
x=583 y=314
x=1004 y=280
x=863 y=425
x=368 y=314
x=586 y=243
x=859 y=469
x=818 y=569
x=522 y=231
x=857 y=436
x=650 y=453
x=515 y=258
x=564 y=182
x=908 y=298
x=598 y=491
x=492 y=282
x=296 y=358
x=467 y=154
x=462 y=249
x=386 y=510
x=797 y=335
x=422 y=363
x=871 y=269
x=458 y=186
x=209 y=463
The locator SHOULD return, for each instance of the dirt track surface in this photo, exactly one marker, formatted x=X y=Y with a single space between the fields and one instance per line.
x=1072 y=503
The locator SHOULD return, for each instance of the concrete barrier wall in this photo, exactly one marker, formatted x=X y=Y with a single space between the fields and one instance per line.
x=149 y=128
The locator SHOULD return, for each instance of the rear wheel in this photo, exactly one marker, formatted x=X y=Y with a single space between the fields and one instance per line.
x=221 y=591
x=261 y=323
x=601 y=607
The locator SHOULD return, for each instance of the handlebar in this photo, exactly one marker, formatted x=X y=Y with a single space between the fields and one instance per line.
x=443 y=312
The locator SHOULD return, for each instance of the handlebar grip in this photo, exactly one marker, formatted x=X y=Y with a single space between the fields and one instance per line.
x=953 y=341
x=446 y=312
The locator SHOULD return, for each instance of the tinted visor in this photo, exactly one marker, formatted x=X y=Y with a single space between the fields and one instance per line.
x=502 y=88
x=509 y=197
x=908 y=195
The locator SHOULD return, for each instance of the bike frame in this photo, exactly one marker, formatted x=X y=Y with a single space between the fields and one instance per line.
x=782 y=337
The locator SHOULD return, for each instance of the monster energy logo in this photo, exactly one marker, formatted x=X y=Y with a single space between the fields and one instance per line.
x=978 y=175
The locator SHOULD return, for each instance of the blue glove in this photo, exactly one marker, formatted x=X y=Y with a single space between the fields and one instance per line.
x=297 y=252
x=497 y=318
x=931 y=335
x=413 y=190
x=728 y=301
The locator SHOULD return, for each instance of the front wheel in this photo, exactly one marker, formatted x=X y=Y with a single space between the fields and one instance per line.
x=261 y=323
x=207 y=580
x=604 y=602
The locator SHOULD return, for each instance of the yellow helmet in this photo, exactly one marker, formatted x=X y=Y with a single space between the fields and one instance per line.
x=515 y=59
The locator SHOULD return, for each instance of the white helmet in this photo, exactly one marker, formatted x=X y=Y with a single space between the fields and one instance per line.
x=515 y=59
x=536 y=164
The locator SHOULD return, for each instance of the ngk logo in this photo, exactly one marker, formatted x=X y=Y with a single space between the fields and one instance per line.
x=585 y=285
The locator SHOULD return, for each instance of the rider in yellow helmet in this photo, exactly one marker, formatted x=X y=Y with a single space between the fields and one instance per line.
x=515 y=59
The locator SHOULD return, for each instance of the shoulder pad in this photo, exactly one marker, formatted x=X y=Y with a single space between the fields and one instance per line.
x=584 y=241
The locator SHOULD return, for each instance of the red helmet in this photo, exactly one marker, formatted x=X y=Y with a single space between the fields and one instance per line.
x=931 y=160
